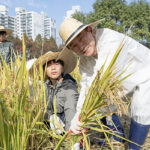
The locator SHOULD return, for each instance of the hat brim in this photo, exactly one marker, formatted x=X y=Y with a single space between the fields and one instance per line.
x=42 y=60
x=65 y=50
x=8 y=31
x=92 y=25
x=69 y=61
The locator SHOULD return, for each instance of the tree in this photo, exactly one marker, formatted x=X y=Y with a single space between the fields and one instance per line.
x=37 y=46
x=29 y=46
x=120 y=16
x=111 y=10
x=17 y=44
x=38 y=41
x=52 y=44
x=10 y=37
x=45 y=45
x=80 y=16
x=138 y=15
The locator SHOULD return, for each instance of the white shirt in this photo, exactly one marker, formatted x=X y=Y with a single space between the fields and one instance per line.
x=133 y=53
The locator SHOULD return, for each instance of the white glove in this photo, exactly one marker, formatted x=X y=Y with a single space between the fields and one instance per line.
x=76 y=146
x=56 y=124
x=76 y=124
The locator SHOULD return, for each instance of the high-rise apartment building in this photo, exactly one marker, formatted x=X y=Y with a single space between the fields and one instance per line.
x=6 y=20
x=12 y=24
x=74 y=9
x=31 y=23
x=4 y=16
x=49 y=26
x=28 y=22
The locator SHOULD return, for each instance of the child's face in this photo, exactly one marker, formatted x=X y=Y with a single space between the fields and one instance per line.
x=54 y=70
x=84 y=44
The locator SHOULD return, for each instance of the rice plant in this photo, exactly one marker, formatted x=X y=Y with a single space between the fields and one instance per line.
x=106 y=88
x=21 y=113
x=22 y=107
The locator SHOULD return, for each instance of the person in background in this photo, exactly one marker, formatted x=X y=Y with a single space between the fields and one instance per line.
x=60 y=85
x=6 y=47
x=94 y=46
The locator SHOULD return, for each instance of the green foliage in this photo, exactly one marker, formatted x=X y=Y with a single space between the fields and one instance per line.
x=138 y=14
x=120 y=16
x=80 y=16
x=106 y=8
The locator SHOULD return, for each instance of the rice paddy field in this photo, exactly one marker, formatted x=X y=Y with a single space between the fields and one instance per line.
x=22 y=107
x=125 y=120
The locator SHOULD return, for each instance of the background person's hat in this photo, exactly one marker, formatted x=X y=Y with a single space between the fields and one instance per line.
x=8 y=31
x=69 y=61
x=70 y=28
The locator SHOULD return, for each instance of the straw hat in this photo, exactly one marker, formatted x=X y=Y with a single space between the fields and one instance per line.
x=8 y=31
x=69 y=61
x=70 y=28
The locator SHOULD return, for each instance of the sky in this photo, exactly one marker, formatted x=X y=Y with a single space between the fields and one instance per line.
x=55 y=9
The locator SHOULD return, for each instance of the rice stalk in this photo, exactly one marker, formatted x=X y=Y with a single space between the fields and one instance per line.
x=105 y=89
x=21 y=113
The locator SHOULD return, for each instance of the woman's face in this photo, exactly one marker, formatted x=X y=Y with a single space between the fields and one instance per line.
x=54 y=70
x=84 y=44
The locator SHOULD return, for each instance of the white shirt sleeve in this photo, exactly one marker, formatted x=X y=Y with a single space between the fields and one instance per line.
x=82 y=94
x=87 y=75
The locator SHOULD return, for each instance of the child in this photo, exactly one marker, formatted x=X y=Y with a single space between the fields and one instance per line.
x=60 y=85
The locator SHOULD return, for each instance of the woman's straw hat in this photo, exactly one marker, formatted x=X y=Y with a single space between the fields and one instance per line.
x=70 y=28
x=69 y=61
x=8 y=31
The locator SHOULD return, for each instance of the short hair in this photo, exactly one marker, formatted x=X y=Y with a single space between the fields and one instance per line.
x=55 y=61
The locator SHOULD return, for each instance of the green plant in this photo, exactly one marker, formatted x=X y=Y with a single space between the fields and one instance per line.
x=105 y=86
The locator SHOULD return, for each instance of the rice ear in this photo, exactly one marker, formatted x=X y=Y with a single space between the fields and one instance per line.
x=106 y=85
